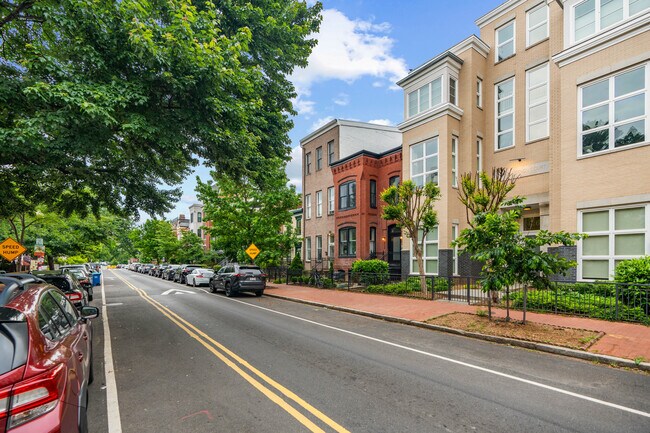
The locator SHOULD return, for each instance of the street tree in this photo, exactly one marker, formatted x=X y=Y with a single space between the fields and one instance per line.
x=243 y=212
x=495 y=239
x=102 y=104
x=190 y=248
x=155 y=240
x=412 y=207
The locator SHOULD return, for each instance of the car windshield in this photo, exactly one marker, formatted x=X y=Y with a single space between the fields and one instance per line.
x=250 y=270
x=59 y=283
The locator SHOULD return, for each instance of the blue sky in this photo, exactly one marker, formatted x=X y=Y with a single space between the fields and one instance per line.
x=364 y=47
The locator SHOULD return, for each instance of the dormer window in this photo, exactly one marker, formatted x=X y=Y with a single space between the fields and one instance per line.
x=592 y=16
x=425 y=97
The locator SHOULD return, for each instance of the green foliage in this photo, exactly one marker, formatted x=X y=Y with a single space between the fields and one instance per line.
x=411 y=207
x=586 y=304
x=411 y=284
x=296 y=263
x=371 y=271
x=73 y=260
x=190 y=248
x=328 y=283
x=243 y=212
x=633 y=271
x=155 y=240
x=103 y=102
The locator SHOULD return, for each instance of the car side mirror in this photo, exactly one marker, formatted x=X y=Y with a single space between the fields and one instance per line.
x=89 y=312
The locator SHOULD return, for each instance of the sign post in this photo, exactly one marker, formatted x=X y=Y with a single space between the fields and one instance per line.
x=252 y=251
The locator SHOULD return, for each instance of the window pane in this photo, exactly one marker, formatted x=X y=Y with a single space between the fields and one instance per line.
x=596 y=141
x=436 y=92
x=432 y=178
x=505 y=89
x=537 y=113
x=595 y=93
x=585 y=19
x=424 y=97
x=611 y=11
x=413 y=103
x=597 y=269
x=537 y=77
x=505 y=123
x=417 y=167
x=537 y=94
x=505 y=140
x=537 y=34
x=537 y=131
x=629 y=107
x=595 y=221
x=432 y=163
x=505 y=105
x=418 y=180
x=432 y=146
x=506 y=50
x=433 y=234
x=629 y=134
x=431 y=266
x=537 y=16
x=506 y=33
x=595 y=246
x=416 y=268
x=629 y=245
x=629 y=82
x=416 y=151
x=431 y=250
x=637 y=6
x=630 y=219
x=595 y=117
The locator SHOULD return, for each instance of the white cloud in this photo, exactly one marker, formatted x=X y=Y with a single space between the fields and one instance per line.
x=294 y=168
x=303 y=106
x=342 y=99
x=348 y=50
x=377 y=84
x=320 y=122
x=384 y=122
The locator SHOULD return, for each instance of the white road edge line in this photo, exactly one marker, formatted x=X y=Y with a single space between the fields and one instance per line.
x=453 y=361
x=112 y=405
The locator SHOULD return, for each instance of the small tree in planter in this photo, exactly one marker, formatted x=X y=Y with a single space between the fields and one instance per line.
x=411 y=207
x=296 y=267
x=494 y=237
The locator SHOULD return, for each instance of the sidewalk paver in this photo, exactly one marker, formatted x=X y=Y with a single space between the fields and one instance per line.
x=621 y=339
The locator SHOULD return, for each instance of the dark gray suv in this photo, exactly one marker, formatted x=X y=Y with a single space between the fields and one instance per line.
x=235 y=278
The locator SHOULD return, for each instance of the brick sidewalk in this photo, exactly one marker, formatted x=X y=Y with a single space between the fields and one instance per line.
x=621 y=339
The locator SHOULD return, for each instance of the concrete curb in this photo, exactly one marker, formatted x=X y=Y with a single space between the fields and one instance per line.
x=587 y=356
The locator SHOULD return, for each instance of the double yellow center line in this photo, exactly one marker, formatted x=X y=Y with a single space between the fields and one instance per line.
x=270 y=388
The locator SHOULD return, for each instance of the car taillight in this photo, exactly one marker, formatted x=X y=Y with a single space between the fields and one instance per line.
x=199 y=275
x=239 y=275
x=73 y=297
x=33 y=397
x=263 y=275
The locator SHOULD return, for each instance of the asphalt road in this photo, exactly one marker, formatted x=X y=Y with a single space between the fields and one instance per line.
x=200 y=362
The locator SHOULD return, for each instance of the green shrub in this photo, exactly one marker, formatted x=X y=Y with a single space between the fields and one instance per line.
x=373 y=271
x=328 y=283
x=277 y=281
x=295 y=280
x=633 y=271
x=296 y=263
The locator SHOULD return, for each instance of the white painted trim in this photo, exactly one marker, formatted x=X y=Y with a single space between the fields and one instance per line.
x=496 y=114
x=528 y=12
x=445 y=109
x=112 y=404
x=498 y=12
x=340 y=122
x=548 y=101
x=498 y=42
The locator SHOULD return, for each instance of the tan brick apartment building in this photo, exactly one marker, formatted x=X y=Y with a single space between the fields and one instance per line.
x=557 y=91
x=336 y=141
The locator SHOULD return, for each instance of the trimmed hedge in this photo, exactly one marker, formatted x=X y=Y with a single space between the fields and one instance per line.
x=370 y=271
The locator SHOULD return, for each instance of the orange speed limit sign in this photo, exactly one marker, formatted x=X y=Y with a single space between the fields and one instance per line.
x=10 y=249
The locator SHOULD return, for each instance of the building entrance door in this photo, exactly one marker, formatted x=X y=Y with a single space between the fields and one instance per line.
x=394 y=250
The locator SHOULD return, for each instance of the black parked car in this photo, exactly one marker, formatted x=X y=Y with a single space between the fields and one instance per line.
x=235 y=278
x=180 y=276
x=169 y=271
x=66 y=283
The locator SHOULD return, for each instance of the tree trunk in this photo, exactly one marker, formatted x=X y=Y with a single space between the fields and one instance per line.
x=423 y=277
x=50 y=262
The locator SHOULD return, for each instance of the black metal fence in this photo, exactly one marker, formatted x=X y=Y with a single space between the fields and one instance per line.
x=602 y=300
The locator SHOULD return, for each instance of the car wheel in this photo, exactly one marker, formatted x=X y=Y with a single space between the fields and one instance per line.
x=229 y=292
x=194 y=282
x=212 y=288
x=259 y=293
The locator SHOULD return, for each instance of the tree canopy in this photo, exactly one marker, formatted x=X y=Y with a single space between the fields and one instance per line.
x=102 y=104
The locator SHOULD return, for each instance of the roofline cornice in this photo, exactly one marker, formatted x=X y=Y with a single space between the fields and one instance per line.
x=415 y=73
x=350 y=123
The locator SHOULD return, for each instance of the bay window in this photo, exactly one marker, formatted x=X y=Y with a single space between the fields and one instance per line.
x=424 y=162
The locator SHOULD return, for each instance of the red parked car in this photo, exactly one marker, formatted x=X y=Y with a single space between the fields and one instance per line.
x=46 y=362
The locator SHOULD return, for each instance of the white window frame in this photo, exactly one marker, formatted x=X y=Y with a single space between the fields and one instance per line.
x=612 y=232
x=545 y=101
x=424 y=251
x=497 y=114
x=308 y=163
x=308 y=206
x=330 y=200
x=372 y=240
x=453 y=95
x=479 y=92
x=319 y=247
x=424 y=157
x=611 y=101
x=416 y=92
x=319 y=204
x=330 y=245
x=597 y=17
x=454 y=161
x=498 y=43
x=544 y=23
x=479 y=158
x=308 y=248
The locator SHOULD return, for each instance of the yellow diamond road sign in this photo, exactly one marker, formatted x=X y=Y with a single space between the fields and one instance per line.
x=252 y=251
x=10 y=249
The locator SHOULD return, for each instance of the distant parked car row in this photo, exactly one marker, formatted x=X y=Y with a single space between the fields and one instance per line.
x=233 y=278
